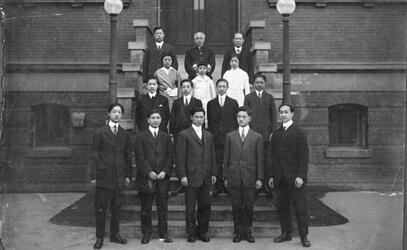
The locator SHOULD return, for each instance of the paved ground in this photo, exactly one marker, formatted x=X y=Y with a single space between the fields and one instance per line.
x=375 y=224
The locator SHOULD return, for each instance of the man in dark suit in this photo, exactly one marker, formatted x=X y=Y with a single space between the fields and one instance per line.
x=180 y=117
x=243 y=173
x=244 y=55
x=149 y=101
x=199 y=54
x=288 y=174
x=222 y=112
x=196 y=168
x=154 y=159
x=153 y=54
x=110 y=171
x=264 y=116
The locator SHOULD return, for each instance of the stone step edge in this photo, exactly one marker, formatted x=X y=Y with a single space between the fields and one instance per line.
x=212 y=223
x=181 y=208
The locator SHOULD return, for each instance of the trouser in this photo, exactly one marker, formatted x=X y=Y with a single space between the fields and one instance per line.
x=197 y=195
x=102 y=197
x=219 y=185
x=242 y=207
x=146 y=200
x=288 y=192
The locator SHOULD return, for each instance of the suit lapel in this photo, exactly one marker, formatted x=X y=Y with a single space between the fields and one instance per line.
x=195 y=136
x=110 y=134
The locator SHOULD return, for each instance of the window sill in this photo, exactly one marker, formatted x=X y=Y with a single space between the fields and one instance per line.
x=49 y=152
x=347 y=152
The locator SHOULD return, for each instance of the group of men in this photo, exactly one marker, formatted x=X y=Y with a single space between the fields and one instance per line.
x=241 y=151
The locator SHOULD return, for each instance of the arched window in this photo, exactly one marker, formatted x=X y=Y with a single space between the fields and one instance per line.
x=348 y=125
x=51 y=125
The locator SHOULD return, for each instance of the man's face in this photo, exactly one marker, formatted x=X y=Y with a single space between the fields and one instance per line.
x=159 y=35
x=198 y=118
x=199 y=39
x=154 y=120
x=222 y=88
x=243 y=118
x=234 y=62
x=115 y=115
x=238 y=40
x=186 y=88
x=167 y=61
x=285 y=114
x=152 y=85
x=259 y=84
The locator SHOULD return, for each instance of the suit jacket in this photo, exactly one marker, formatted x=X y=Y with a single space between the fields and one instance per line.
x=195 y=56
x=111 y=158
x=145 y=104
x=180 y=117
x=264 y=113
x=152 y=59
x=195 y=158
x=222 y=120
x=153 y=155
x=243 y=162
x=289 y=155
x=245 y=61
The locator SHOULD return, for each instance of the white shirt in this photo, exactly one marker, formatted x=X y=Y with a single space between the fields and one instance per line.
x=222 y=100
x=159 y=44
x=112 y=126
x=187 y=98
x=238 y=50
x=286 y=125
x=238 y=84
x=259 y=92
x=198 y=130
x=152 y=95
x=153 y=130
x=245 y=130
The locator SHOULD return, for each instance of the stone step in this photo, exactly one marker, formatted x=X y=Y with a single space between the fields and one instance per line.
x=130 y=198
x=217 y=229
x=218 y=213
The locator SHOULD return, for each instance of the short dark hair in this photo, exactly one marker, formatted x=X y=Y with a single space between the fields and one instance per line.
x=197 y=109
x=158 y=28
x=173 y=57
x=153 y=111
x=116 y=104
x=186 y=80
x=202 y=63
x=152 y=77
x=234 y=55
x=222 y=80
x=245 y=109
x=292 y=109
x=257 y=75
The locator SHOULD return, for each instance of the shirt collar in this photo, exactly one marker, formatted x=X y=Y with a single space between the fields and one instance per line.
x=286 y=125
x=196 y=128
x=152 y=95
x=152 y=130
x=246 y=129
x=188 y=97
x=112 y=124
x=238 y=48
x=159 y=43
x=259 y=92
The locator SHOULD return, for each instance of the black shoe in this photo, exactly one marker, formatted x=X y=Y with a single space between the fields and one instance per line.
x=250 y=238
x=203 y=237
x=146 y=238
x=283 y=237
x=237 y=238
x=116 y=238
x=98 y=244
x=305 y=242
x=191 y=238
x=165 y=238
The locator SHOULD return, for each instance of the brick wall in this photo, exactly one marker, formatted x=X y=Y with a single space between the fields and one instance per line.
x=341 y=32
x=56 y=32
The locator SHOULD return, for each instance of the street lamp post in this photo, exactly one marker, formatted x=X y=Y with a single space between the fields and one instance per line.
x=286 y=8
x=113 y=8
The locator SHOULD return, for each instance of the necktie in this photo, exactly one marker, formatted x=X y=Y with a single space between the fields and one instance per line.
x=155 y=134
x=238 y=50
x=243 y=137
x=159 y=47
x=186 y=102
x=259 y=95
x=221 y=101
x=115 y=129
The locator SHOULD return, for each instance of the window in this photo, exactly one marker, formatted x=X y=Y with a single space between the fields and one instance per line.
x=348 y=125
x=51 y=125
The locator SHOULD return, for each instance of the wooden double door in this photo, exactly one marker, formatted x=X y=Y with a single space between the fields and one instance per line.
x=216 y=18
